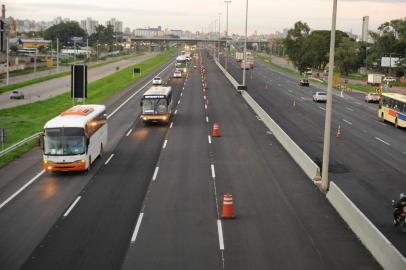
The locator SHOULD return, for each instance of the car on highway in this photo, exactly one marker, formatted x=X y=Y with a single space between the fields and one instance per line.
x=304 y=82
x=16 y=94
x=389 y=79
x=177 y=74
x=188 y=58
x=372 y=98
x=157 y=81
x=320 y=97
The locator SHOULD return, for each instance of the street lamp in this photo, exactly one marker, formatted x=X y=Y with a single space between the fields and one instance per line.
x=226 y=64
x=327 y=124
x=245 y=45
x=219 y=44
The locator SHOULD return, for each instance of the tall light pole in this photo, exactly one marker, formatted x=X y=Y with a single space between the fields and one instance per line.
x=226 y=64
x=214 y=38
x=245 y=45
x=7 y=60
x=57 y=54
x=219 y=45
x=327 y=124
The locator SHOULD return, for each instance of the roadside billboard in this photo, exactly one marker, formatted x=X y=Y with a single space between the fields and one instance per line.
x=389 y=61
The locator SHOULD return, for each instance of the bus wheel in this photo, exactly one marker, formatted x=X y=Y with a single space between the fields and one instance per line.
x=90 y=163
x=101 y=150
x=382 y=119
x=396 y=123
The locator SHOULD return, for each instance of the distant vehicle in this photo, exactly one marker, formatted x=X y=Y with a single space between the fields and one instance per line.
x=304 y=82
x=181 y=63
x=188 y=58
x=308 y=72
x=156 y=104
x=239 y=56
x=374 y=79
x=392 y=108
x=372 y=98
x=389 y=79
x=320 y=97
x=16 y=94
x=250 y=62
x=177 y=74
x=157 y=81
x=75 y=138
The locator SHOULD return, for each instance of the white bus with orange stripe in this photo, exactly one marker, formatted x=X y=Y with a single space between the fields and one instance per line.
x=156 y=104
x=392 y=108
x=75 y=138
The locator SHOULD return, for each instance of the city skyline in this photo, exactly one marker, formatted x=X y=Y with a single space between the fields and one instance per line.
x=264 y=17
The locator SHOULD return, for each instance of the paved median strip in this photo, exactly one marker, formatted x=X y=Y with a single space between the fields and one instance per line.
x=72 y=206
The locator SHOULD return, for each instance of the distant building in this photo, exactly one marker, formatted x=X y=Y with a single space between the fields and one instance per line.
x=89 y=25
x=178 y=33
x=352 y=35
x=149 y=32
x=365 y=30
x=117 y=25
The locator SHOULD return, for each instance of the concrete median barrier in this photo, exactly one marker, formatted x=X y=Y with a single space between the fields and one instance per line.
x=379 y=246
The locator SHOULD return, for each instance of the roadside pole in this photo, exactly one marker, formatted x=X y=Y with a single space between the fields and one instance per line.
x=327 y=124
x=35 y=60
x=57 y=54
x=219 y=46
x=7 y=61
x=245 y=45
x=227 y=51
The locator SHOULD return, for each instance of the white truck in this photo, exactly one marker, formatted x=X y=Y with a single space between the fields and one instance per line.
x=249 y=63
x=239 y=56
x=374 y=79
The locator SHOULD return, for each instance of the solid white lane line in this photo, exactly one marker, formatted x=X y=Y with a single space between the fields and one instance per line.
x=165 y=142
x=209 y=138
x=213 y=173
x=136 y=92
x=129 y=132
x=207 y=119
x=170 y=126
x=220 y=232
x=349 y=109
x=322 y=108
x=155 y=173
x=137 y=228
x=176 y=111
x=348 y=122
x=21 y=189
x=379 y=139
x=108 y=160
x=71 y=206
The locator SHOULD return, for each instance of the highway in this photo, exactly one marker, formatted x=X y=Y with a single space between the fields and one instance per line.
x=154 y=200
x=367 y=162
x=54 y=87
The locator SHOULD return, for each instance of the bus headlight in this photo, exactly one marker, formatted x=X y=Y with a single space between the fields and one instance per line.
x=49 y=168
x=45 y=161
x=144 y=118
x=164 y=118
x=83 y=161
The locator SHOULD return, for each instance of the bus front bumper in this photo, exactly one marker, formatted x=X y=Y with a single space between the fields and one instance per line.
x=64 y=167
x=155 y=117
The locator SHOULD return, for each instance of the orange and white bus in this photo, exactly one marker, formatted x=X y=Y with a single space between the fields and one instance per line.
x=75 y=138
x=156 y=104
x=392 y=108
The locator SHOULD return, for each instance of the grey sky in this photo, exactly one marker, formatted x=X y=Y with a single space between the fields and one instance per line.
x=265 y=16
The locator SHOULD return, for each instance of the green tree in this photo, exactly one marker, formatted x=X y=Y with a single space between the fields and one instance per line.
x=346 y=55
x=64 y=31
x=294 y=43
x=103 y=35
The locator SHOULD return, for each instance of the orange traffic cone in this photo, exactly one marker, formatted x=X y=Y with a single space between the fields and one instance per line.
x=216 y=130
x=228 y=207
x=338 y=135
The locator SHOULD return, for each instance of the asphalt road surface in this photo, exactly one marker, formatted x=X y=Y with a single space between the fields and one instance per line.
x=54 y=87
x=156 y=204
x=367 y=162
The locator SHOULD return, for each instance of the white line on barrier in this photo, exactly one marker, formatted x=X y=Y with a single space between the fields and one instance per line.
x=348 y=122
x=213 y=173
x=21 y=189
x=165 y=142
x=108 y=160
x=155 y=173
x=209 y=138
x=379 y=139
x=129 y=132
x=71 y=207
x=220 y=232
x=137 y=228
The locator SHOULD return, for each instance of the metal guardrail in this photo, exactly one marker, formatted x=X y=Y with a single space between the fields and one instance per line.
x=20 y=143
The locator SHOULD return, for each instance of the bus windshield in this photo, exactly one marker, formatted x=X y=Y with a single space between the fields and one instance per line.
x=154 y=106
x=64 y=141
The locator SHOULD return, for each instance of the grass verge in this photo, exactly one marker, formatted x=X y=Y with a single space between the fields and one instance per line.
x=22 y=121
x=54 y=76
